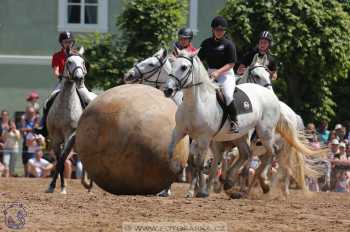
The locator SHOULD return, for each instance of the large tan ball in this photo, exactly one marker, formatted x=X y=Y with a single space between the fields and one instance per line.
x=123 y=137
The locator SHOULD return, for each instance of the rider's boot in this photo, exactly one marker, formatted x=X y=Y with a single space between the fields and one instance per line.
x=43 y=129
x=231 y=108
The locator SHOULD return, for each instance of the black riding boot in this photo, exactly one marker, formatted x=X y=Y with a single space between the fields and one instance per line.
x=233 y=116
x=43 y=129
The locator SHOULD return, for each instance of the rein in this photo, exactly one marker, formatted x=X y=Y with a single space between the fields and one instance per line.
x=182 y=83
x=151 y=73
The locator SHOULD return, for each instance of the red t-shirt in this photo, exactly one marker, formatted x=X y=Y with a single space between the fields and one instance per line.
x=59 y=59
x=190 y=48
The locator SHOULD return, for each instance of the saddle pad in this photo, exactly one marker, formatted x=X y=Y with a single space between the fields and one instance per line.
x=242 y=102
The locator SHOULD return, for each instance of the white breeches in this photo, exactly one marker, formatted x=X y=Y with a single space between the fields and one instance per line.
x=228 y=82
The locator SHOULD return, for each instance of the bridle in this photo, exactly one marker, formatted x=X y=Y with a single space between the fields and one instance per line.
x=71 y=73
x=181 y=84
x=144 y=78
x=253 y=78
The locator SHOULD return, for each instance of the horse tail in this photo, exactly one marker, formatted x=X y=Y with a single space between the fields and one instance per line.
x=293 y=138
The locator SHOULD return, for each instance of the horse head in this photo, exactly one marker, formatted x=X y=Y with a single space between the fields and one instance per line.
x=260 y=75
x=148 y=70
x=181 y=75
x=75 y=68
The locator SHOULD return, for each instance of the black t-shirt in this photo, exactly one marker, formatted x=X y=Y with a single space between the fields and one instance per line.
x=217 y=53
x=248 y=58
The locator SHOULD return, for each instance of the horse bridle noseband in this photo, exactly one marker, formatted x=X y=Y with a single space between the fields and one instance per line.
x=151 y=73
x=253 y=78
x=181 y=84
x=71 y=73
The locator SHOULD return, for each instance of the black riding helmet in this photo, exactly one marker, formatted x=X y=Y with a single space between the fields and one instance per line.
x=185 y=33
x=219 y=21
x=266 y=35
x=65 y=35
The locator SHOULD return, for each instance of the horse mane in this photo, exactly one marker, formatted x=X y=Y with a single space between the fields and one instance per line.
x=200 y=73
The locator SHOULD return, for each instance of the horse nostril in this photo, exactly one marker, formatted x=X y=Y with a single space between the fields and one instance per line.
x=168 y=92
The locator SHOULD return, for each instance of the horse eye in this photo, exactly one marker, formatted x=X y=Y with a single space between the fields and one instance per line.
x=151 y=65
x=183 y=67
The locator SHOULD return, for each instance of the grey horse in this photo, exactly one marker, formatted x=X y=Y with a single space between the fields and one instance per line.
x=64 y=114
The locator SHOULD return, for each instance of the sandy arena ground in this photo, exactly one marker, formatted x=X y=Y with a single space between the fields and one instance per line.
x=101 y=211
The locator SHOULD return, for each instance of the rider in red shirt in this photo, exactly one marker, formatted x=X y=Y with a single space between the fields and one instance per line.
x=66 y=39
x=185 y=36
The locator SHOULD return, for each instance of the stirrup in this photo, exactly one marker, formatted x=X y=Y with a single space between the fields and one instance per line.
x=234 y=127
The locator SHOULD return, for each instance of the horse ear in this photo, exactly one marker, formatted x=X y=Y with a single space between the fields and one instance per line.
x=81 y=50
x=164 y=54
x=176 y=51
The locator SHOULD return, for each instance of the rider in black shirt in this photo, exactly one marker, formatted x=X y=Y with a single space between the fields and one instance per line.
x=219 y=53
x=261 y=54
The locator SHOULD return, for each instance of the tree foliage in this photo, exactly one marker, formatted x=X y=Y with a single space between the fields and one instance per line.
x=311 y=40
x=144 y=27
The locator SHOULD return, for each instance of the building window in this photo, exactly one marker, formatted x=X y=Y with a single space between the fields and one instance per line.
x=83 y=15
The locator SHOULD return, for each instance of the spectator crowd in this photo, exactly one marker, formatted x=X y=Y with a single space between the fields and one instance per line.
x=37 y=158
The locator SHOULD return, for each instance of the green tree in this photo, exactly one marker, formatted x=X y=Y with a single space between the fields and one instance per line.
x=144 y=27
x=311 y=40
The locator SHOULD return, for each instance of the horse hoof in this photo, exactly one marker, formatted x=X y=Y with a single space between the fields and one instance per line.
x=164 y=193
x=202 y=195
x=237 y=195
x=50 y=190
x=265 y=188
x=63 y=191
x=189 y=195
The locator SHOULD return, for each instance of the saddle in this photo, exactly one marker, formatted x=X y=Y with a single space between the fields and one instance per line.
x=241 y=101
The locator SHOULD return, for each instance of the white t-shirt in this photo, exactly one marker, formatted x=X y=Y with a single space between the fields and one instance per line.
x=38 y=164
x=11 y=140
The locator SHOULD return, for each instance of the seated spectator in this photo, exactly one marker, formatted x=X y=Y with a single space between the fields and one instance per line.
x=11 y=137
x=39 y=167
x=310 y=128
x=342 y=182
x=324 y=133
x=332 y=136
x=342 y=152
x=340 y=132
x=334 y=149
x=348 y=151
x=254 y=164
x=33 y=143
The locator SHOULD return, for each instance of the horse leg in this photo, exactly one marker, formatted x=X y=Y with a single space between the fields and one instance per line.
x=218 y=150
x=203 y=146
x=267 y=139
x=68 y=146
x=231 y=177
x=52 y=186
x=191 y=164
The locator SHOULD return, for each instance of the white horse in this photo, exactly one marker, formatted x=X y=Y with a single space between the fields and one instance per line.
x=286 y=154
x=200 y=115
x=64 y=114
x=153 y=71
